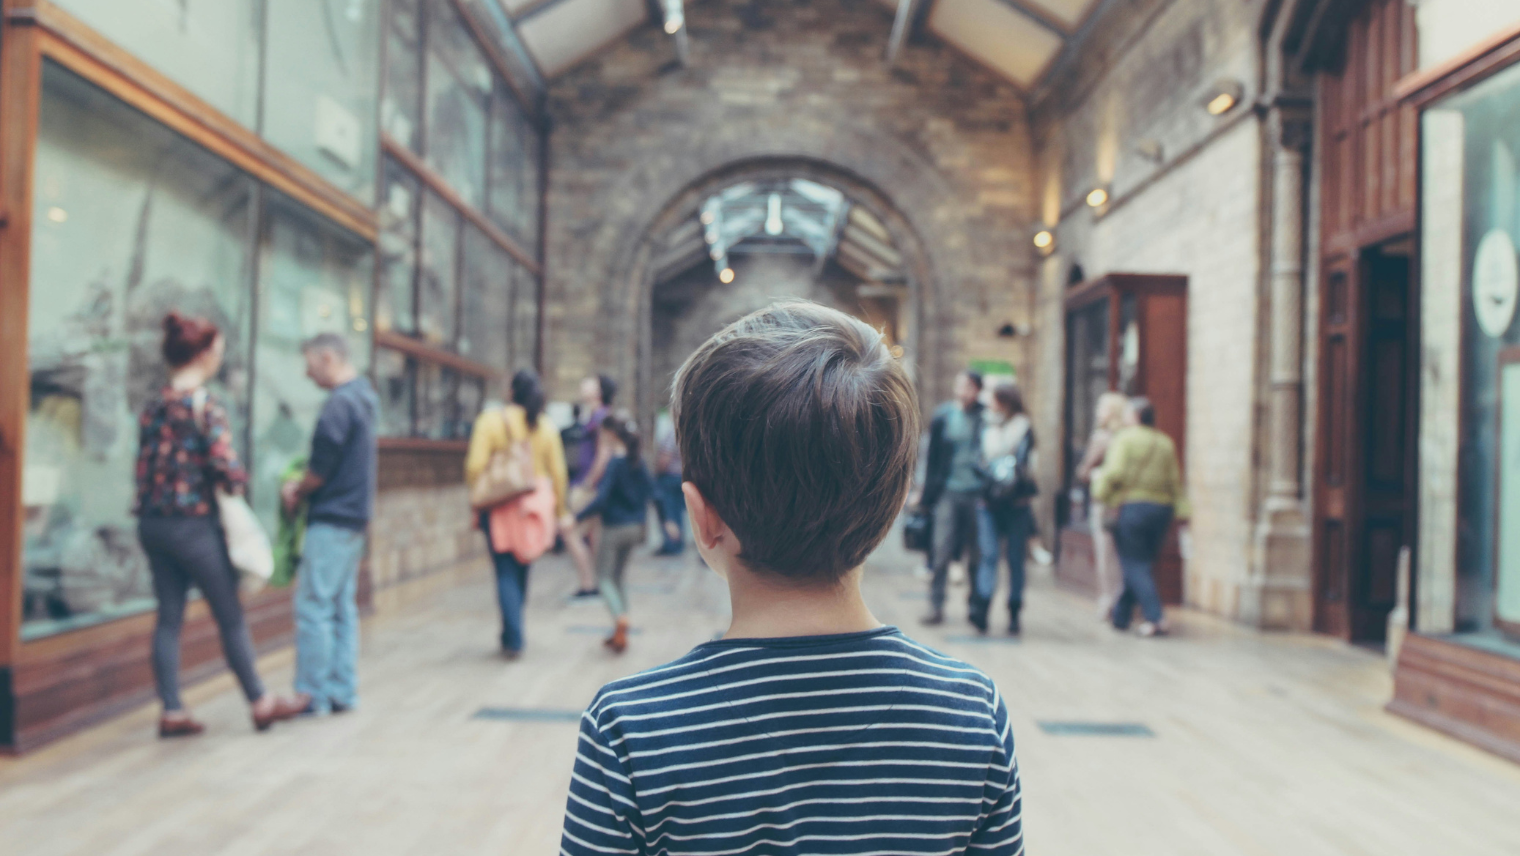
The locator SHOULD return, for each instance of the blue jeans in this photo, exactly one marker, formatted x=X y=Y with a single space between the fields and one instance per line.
x=671 y=506
x=511 y=590
x=1137 y=538
x=327 y=616
x=1013 y=526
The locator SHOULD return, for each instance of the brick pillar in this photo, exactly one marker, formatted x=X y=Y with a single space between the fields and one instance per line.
x=1277 y=590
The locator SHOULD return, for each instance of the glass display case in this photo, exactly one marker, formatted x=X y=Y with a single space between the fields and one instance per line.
x=1125 y=333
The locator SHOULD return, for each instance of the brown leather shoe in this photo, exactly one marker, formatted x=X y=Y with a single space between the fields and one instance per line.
x=186 y=727
x=282 y=709
x=618 y=641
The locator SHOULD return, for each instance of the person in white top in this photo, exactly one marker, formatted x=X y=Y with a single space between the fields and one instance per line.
x=1003 y=516
x=1110 y=419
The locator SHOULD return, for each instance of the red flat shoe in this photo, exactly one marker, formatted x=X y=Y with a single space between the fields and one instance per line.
x=282 y=709
x=187 y=727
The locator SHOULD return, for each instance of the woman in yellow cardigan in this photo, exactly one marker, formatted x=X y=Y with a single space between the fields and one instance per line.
x=497 y=430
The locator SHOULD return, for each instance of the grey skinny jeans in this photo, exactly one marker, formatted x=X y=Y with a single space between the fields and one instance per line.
x=612 y=552
x=186 y=551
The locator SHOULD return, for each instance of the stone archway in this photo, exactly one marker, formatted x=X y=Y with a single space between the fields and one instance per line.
x=948 y=252
x=640 y=282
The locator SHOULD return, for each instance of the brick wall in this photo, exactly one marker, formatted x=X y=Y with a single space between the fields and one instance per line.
x=422 y=525
x=1195 y=209
x=937 y=147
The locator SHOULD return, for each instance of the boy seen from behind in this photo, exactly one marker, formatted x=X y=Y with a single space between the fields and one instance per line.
x=809 y=727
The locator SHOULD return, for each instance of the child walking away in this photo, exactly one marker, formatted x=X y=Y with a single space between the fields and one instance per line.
x=809 y=727
x=622 y=503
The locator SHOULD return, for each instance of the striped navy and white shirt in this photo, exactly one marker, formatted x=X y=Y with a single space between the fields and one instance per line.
x=861 y=743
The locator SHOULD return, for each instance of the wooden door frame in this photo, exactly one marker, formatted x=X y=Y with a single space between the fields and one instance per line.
x=1351 y=411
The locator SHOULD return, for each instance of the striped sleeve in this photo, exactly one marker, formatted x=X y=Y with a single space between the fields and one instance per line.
x=1001 y=829
x=601 y=816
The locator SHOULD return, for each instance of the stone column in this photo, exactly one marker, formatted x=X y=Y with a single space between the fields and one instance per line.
x=1277 y=590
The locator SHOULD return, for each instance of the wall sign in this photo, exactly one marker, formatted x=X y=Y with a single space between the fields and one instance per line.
x=1496 y=283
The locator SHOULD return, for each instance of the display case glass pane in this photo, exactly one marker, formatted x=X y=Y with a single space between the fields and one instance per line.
x=210 y=48
x=395 y=381
x=395 y=298
x=130 y=220
x=1129 y=344
x=401 y=103
x=1471 y=184
x=436 y=402
x=513 y=170
x=472 y=395
x=320 y=85
x=314 y=277
x=438 y=274
x=525 y=311
x=486 y=317
x=1087 y=362
x=459 y=84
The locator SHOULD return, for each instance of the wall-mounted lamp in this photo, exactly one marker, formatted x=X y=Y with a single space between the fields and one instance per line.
x=1222 y=97
x=1097 y=197
x=1044 y=241
x=726 y=275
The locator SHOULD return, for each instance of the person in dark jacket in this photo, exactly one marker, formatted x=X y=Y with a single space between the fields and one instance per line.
x=339 y=489
x=622 y=503
x=953 y=483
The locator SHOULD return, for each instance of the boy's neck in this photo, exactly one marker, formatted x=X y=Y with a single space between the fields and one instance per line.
x=770 y=607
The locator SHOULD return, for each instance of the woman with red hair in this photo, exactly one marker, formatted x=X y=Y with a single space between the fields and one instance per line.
x=185 y=455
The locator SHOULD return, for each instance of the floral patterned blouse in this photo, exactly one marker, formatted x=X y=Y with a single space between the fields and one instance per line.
x=178 y=464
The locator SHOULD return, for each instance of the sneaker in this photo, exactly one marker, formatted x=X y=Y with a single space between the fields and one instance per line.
x=1147 y=629
x=934 y=619
x=585 y=593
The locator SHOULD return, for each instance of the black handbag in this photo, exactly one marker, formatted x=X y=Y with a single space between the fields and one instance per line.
x=1008 y=477
x=918 y=531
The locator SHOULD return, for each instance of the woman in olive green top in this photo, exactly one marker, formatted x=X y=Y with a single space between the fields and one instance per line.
x=1140 y=476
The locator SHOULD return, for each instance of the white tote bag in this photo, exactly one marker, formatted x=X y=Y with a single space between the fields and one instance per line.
x=247 y=545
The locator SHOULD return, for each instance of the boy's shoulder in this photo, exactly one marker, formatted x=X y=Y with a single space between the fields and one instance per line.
x=752 y=665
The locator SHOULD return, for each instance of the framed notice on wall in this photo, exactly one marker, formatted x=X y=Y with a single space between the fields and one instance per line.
x=1507 y=530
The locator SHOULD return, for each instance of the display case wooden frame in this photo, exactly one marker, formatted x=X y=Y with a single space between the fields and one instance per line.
x=55 y=685
x=1160 y=373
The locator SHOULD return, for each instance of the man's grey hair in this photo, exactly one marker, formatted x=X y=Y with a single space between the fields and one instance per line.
x=327 y=342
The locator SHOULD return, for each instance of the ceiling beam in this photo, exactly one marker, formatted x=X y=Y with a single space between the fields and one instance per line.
x=1039 y=16
x=901 y=24
x=537 y=7
x=513 y=43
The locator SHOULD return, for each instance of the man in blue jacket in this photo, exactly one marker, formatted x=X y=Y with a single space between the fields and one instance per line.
x=339 y=487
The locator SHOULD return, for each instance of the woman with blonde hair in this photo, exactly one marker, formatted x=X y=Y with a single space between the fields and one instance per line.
x=1111 y=417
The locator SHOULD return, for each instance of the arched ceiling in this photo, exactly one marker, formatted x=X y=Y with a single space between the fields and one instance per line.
x=1017 y=39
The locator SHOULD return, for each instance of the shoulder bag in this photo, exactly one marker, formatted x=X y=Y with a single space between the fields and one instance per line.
x=247 y=545
x=508 y=474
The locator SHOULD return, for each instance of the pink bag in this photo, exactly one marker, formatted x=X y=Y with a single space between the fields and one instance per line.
x=525 y=526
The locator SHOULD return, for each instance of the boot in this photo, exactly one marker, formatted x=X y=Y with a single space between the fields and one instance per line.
x=1013 y=618
x=977 y=615
x=935 y=618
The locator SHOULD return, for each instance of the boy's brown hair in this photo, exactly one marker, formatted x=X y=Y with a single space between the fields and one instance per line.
x=801 y=430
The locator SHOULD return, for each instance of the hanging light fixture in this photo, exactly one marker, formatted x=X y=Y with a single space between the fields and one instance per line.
x=773 y=223
x=1044 y=239
x=726 y=275
x=1097 y=197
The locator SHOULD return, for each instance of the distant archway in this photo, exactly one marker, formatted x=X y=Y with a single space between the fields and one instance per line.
x=662 y=254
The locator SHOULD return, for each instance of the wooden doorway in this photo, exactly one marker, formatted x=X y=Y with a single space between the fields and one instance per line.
x=1365 y=466
x=1368 y=320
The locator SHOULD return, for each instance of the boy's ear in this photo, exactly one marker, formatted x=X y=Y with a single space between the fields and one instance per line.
x=706 y=526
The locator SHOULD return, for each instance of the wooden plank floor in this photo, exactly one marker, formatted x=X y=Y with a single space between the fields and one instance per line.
x=1262 y=744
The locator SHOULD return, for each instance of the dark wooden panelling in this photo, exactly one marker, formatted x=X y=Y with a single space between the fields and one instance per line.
x=68 y=682
x=421 y=467
x=1367 y=136
x=1471 y=694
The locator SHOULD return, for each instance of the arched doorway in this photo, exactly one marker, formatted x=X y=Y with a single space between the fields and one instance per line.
x=761 y=230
